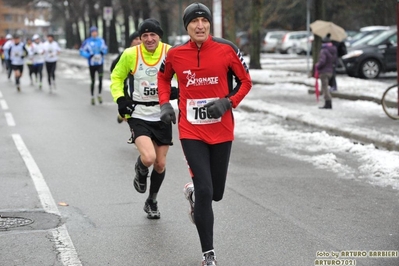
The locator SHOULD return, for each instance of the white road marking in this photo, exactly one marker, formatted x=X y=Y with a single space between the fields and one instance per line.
x=1 y=95
x=9 y=119
x=66 y=252
x=3 y=104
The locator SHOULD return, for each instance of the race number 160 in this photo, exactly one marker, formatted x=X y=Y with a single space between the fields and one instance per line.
x=200 y=113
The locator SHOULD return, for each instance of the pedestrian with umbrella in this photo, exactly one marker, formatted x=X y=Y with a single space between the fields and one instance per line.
x=325 y=67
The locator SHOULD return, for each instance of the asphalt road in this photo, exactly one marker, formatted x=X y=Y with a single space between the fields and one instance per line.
x=276 y=210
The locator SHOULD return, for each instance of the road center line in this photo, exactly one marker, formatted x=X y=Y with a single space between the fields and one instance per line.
x=63 y=243
x=4 y=104
x=9 y=119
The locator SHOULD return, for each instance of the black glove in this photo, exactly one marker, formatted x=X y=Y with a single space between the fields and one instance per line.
x=217 y=108
x=125 y=106
x=168 y=113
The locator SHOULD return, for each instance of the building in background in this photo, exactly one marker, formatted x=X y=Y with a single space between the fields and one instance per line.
x=26 y=20
x=11 y=19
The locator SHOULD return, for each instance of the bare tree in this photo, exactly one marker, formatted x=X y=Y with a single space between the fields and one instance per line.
x=229 y=24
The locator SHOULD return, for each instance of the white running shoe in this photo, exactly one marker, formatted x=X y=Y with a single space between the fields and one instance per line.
x=189 y=195
x=209 y=259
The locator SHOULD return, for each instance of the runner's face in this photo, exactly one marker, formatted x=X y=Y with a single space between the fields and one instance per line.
x=136 y=41
x=150 y=41
x=199 y=29
x=94 y=34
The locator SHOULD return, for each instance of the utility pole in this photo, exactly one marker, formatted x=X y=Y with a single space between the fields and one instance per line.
x=217 y=18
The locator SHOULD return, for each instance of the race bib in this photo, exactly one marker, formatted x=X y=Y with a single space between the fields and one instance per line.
x=149 y=90
x=96 y=59
x=198 y=114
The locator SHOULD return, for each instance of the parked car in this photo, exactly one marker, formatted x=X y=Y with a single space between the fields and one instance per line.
x=178 y=39
x=364 y=32
x=289 y=44
x=305 y=44
x=376 y=56
x=242 y=42
x=270 y=41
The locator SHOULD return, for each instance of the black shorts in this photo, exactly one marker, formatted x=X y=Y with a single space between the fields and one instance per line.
x=18 y=67
x=158 y=131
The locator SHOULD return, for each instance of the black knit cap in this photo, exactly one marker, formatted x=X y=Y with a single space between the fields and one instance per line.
x=326 y=39
x=150 y=25
x=196 y=10
x=133 y=36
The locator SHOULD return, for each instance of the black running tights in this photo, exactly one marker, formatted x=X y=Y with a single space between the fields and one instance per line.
x=50 y=67
x=208 y=165
x=93 y=70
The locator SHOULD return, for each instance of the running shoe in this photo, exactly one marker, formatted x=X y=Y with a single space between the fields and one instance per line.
x=119 y=119
x=151 y=208
x=93 y=102
x=209 y=259
x=140 y=180
x=100 y=99
x=18 y=88
x=189 y=195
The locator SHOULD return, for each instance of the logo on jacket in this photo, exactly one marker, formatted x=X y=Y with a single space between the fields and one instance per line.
x=193 y=81
x=151 y=71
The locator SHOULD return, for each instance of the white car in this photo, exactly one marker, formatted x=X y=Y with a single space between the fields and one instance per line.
x=290 y=43
x=270 y=41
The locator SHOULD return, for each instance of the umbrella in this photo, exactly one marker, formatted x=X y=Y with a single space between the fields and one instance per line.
x=322 y=28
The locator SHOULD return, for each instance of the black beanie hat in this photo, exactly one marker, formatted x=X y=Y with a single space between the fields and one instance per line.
x=150 y=25
x=196 y=10
x=133 y=36
x=326 y=39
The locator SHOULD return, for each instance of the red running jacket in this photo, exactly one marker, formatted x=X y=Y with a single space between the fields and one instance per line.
x=204 y=74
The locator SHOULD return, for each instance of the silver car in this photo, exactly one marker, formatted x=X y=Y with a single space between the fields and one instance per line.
x=270 y=41
x=290 y=43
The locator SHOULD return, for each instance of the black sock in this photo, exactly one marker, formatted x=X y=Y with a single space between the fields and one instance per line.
x=156 y=182
x=142 y=168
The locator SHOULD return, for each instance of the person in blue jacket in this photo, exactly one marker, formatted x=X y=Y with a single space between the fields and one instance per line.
x=94 y=49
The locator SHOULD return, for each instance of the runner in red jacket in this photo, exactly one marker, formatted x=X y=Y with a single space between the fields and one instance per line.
x=205 y=67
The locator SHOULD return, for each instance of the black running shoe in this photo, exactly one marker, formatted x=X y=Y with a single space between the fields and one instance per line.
x=151 y=208
x=140 y=180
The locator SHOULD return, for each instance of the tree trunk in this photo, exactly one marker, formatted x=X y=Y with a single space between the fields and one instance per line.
x=69 y=34
x=318 y=13
x=126 y=15
x=164 y=18
x=228 y=22
x=254 y=36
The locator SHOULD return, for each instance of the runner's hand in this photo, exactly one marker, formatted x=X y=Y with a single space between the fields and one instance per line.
x=125 y=106
x=168 y=113
x=217 y=108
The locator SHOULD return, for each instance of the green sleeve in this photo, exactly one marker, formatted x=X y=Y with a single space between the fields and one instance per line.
x=121 y=71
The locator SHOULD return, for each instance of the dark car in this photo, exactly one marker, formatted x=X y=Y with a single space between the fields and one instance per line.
x=376 y=56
